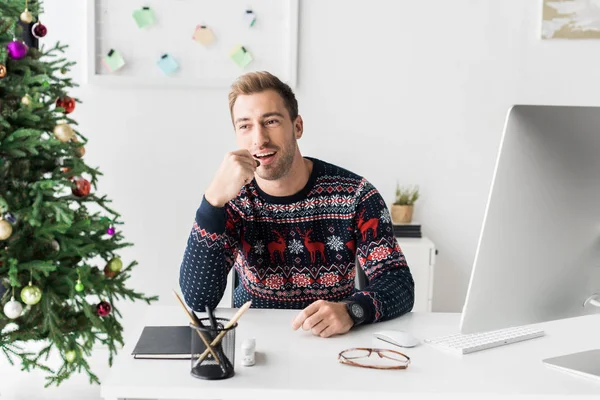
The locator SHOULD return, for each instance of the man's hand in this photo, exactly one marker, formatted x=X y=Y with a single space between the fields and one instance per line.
x=236 y=170
x=324 y=318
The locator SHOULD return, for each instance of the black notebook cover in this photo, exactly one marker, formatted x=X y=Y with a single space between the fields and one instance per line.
x=164 y=342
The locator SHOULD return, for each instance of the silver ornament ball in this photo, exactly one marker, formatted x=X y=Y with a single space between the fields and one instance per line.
x=13 y=309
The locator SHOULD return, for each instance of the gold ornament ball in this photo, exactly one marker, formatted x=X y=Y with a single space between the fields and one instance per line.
x=79 y=151
x=26 y=16
x=26 y=100
x=5 y=230
x=31 y=295
x=63 y=132
x=3 y=71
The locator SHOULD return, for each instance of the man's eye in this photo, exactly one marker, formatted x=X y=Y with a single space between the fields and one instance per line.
x=243 y=127
x=271 y=121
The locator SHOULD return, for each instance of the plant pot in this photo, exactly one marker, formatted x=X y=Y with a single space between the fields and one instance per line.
x=402 y=214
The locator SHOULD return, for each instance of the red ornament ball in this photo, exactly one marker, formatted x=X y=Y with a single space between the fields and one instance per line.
x=67 y=103
x=109 y=273
x=81 y=187
x=38 y=30
x=103 y=308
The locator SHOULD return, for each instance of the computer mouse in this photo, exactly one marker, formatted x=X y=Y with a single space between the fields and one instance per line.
x=398 y=338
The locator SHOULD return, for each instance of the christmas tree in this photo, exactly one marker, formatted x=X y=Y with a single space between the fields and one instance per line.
x=60 y=274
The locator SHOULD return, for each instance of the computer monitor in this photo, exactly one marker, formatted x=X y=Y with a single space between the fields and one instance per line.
x=538 y=255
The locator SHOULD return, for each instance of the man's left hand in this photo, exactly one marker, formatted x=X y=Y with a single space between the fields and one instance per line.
x=324 y=318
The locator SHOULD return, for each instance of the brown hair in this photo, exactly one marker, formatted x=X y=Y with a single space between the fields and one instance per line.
x=256 y=82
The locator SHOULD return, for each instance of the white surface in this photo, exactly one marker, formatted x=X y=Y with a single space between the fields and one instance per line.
x=469 y=343
x=548 y=163
x=299 y=364
x=272 y=41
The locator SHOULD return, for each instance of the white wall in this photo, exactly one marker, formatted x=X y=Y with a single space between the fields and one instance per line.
x=415 y=91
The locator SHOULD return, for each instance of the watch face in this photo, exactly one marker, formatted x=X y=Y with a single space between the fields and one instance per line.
x=357 y=310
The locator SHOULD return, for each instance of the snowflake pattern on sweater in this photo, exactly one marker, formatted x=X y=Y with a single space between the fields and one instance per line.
x=291 y=251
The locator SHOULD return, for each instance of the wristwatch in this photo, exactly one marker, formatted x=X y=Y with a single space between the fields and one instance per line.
x=356 y=311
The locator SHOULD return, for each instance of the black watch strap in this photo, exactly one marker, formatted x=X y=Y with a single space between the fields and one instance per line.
x=356 y=311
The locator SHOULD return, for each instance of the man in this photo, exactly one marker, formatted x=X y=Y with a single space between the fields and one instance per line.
x=292 y=226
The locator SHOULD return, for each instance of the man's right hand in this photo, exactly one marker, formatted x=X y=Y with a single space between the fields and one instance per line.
x=236 y=170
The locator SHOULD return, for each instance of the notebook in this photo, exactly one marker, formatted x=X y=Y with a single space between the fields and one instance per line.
x=164 y=342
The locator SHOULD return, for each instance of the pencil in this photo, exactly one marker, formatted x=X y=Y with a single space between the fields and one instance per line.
x=194 y=322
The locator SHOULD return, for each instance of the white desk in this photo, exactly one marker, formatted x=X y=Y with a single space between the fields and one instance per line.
x=295 y=363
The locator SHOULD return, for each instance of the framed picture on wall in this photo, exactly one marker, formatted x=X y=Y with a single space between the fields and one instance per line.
x=572 y=19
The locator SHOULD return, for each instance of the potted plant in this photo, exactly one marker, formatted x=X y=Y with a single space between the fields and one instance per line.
x=402 y=209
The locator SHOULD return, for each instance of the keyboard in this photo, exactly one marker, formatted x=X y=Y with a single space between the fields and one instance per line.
x=472 y=342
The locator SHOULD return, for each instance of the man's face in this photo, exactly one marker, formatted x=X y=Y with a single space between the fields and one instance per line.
x=264 y=128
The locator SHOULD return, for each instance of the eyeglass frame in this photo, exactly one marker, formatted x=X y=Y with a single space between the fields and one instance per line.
x=344 y=360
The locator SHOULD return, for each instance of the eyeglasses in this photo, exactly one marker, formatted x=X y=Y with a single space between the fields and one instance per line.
x=361 y=357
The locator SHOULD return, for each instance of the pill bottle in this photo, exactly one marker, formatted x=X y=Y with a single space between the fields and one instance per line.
x=248 y=352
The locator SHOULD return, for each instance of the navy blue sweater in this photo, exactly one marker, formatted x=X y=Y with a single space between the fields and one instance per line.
x=291 y=251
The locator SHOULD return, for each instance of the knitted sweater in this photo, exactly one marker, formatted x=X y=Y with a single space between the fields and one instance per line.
x=291 y=251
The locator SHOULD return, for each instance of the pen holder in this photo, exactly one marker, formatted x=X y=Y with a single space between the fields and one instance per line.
x=215 y=361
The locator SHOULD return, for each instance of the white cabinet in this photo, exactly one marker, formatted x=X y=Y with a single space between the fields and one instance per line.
x=420 y=256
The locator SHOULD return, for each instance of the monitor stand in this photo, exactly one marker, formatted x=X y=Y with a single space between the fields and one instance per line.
x=584 y=363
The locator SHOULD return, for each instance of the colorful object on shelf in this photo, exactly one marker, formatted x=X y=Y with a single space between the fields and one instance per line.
x=203 y=35
x=113 y=60
x=241 y=56
x=144 y=17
